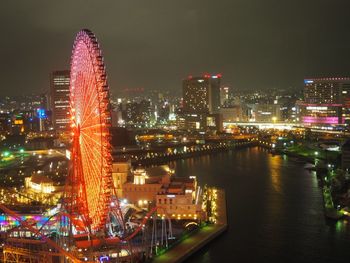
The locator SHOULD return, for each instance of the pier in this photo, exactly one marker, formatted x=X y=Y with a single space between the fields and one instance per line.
x=198 y=240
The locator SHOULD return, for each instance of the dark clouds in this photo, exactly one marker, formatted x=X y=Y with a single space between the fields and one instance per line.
x=154 y=44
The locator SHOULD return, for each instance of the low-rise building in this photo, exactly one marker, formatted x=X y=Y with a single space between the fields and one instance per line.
x=180 y=200
x=40 y=188
x=144 y=185
x=40 y=184
x=121 y=170
x=174 y=197
x=266 y=112
x=235 y=113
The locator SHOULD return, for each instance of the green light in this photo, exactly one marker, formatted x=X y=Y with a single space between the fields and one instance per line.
x=6 y=154
x=21 y=150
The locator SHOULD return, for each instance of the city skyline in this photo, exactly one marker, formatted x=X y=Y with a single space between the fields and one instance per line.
x=155 y=46
x=90 y=177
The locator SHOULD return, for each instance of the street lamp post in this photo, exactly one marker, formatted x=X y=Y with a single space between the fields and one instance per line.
x=316 y=154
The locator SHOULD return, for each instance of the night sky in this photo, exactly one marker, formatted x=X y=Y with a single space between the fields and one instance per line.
x=155 y=44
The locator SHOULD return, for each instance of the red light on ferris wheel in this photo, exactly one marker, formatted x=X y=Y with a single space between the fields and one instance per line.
x=90 y=154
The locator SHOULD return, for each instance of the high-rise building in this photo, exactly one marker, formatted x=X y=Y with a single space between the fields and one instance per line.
x=326 y=101
x=202 y=94
x=327 y=90
x=225 y=96
x=136 y=113
x=59 y=98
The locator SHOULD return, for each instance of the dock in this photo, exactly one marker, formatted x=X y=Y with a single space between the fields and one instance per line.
x=198 y=240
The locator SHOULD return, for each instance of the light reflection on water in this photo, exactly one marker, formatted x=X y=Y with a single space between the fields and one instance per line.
x=275 y=209
x=275 y=170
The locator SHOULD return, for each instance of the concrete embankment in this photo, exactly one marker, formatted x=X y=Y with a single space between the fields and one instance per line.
x=198 y=240
x=162 y=159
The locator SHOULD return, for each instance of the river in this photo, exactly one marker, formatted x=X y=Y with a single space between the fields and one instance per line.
x=275 y=209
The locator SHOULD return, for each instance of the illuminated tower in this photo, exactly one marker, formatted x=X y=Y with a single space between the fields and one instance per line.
x=202 y=94
x=59 y=98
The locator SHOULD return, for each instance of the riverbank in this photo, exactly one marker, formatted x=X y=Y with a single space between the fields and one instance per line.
x=274 y=207
x=199 y=239
x=165 y=157
x=321 y=164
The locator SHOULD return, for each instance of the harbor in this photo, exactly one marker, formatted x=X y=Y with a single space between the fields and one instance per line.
x=200 y=238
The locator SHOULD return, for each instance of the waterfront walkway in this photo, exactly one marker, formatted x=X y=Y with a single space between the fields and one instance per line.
x=193 y=243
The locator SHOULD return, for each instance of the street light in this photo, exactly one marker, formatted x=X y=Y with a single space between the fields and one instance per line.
x=316 y=153
x=5 y=154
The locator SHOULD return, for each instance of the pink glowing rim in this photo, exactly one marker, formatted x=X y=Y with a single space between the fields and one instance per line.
x=323 y=120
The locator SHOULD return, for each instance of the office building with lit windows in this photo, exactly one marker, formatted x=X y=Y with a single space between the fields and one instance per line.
x=202 y=94
x=59 y=98
x=326 y=101
x=201 y=102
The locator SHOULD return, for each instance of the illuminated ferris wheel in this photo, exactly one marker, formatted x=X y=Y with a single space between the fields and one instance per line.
x=91 y=161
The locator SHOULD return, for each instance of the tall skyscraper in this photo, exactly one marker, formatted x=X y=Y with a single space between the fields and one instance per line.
x=202 y=94
x=59 y=98
x=201 y=102
x=326 y=90
x=326 y=101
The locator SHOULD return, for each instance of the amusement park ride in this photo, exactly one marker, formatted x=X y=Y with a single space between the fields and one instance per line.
x=90 y=220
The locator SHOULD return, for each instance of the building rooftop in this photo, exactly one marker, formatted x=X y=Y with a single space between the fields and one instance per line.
x=121 y=159
x=40 y=179
x=333 y=79
x=182 y=180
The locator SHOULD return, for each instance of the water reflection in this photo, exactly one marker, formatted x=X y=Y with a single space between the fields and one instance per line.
x=275 y=170
x=340 y=226
x=275 y=209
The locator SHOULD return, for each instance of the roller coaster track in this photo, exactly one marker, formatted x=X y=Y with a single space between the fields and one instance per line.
x=139 y=228
x=37 y=232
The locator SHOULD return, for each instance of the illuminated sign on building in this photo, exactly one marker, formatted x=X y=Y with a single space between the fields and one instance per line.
x=18 y=122
x=323 y=120
x=316 y=108
x=41 y=113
